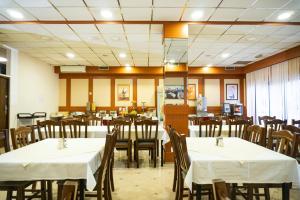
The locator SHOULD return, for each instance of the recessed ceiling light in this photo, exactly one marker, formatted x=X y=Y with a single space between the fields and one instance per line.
x=225 y=55
x=70 y=55
x=285 y=15
x=2 y=59
x=209 y=65
x=15 y=14
x=122 y=55
x=172 y=61
x=197 y=15
x=106 y=14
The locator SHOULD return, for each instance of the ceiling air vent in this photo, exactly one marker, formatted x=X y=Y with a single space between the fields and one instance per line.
x=242 y=62
x=229 y=68
x=72 y=69
x=103 y=68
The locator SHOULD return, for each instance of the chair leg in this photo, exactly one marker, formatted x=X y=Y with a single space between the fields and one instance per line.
x=99 y=191
x=175 y=177
x=49 y=189
x=112 y=184
x=154 y=156
x=43 y=190
x=9 y=194
x=267 y=193
x=256 y=190
x=137 y=158
x=20 y=193
x=59 y=191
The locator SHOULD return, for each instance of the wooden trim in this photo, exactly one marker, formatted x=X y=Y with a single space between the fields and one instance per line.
x=213 y=71
x=201 y=86
x=156 y=84
x=112 y=92
x=150 y=22
x=185 y=90
x=242 y=97
x=272 y=60
x=134 y=88
x=91 y=92
x=221 y=90
x=175 y=30
x=68 y=93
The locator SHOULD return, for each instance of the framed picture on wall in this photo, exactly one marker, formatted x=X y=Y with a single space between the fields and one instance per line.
x=123 y=92
x=174 y=92
x=232 y=92
x=191 y=92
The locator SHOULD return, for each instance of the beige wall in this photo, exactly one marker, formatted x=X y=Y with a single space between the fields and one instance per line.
x=79 y=92
x=146 y=92
x=212 y=91
x=62 y=92
x=101 y=92
x=35 y=85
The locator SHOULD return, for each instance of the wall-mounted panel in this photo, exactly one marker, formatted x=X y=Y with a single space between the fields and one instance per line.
x=62 y=92
x=233 y=82
x=102 y=92
x=124 y=86
x=146 y=92
x=79 y=92
x=212 y=91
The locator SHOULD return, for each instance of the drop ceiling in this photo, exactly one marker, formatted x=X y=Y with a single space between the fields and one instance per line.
x=101 y=44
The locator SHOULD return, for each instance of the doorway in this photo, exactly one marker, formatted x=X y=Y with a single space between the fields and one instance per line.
x=4 y=102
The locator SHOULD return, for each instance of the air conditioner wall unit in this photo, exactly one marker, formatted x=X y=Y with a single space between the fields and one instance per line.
x=72 y=69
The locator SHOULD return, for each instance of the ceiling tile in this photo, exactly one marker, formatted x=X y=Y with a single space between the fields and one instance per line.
x=265 y=30
x=45 y=13
x=274 y=16
x=226 y=14
x=288 y=30
x=32 y=28
x=84 y=28
x=69 y=3
x=137 y=38
x=214 y=29
x=203 y=3
x=136 y=28
x=229 y=38
x=111 y=28
x=136 y=3
x=294 y=4
x=31 y=3
x=169 y=3
x=75 y=13
x=207 y=12
x=8 y=4
x=156 y=28
x=240 y=29
x=137 y=14
x=27 y=16
x=270 y=3
x=237 y=3
x=102 y=3
x=166 y=14
x=255 y=14
x=116 y=13
x=156 y=38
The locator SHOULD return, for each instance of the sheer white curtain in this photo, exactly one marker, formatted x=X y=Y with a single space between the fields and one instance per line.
x=293 y=90
x=278 y=87
x=250 y=87
x=262 y=97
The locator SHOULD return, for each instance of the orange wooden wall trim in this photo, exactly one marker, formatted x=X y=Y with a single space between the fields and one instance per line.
x=221 y=90
x=91 y=91
x=134 y=96
x=156 y=84
x=112 y=92
x=272 y=60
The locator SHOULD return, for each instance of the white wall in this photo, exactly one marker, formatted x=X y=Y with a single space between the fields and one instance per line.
x=37 y=88
x=212 y=91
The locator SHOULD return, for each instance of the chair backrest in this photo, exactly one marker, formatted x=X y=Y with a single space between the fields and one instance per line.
x=102 y=113
x=238 y=128
x=4 y=140
x=49 y=129
x=262 y=119
x=283 y=142
x=220 y=190
x=74 y=128
x=124 y=126
x=249 y=120
x=94 y=121
x=183 y=153
x=255 y=134
x=210 y=128
x=22 y=136
x=193 y=120
x=148 y=129
x=110 y=143
x=296 y=122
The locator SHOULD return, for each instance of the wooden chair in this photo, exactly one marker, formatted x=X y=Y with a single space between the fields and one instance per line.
x=22 y=136
x=4 y=140
x=94 y=121
x=49 y=129
x=296 y=131
x=284 y=141
x=124 y=141
x=296 y=122
x=262 y=119
x=69 y=190
x=249 y=120
x=273 y=125
x=220 y=190
x=74 y=128
x=255 y=134
x=210 y=128
x=147 y=140
x=193 y=121
x=237 y=128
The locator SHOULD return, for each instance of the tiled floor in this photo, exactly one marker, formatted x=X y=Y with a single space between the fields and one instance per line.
x=148 y=183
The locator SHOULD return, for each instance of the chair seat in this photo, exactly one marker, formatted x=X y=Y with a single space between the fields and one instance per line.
x=146 y=144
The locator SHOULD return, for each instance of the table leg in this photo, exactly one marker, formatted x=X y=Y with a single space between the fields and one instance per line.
x=161 y=153
x=49 y=189
x=250 y=191
x=198 y=191
x=81 y=189
x=286 y=191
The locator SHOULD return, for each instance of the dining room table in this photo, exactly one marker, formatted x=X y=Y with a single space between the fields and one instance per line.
x=238 y=161
x=77 y=159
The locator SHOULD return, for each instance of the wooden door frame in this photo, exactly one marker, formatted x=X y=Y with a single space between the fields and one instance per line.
x=8 y=98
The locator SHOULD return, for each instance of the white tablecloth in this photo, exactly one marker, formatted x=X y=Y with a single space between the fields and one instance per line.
x=44 y=161
x=101 y=131
x=238 y=161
